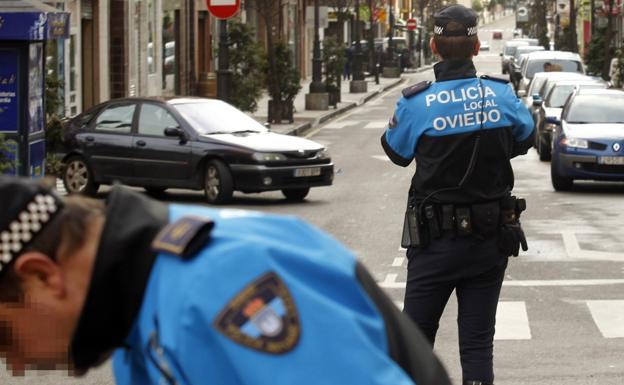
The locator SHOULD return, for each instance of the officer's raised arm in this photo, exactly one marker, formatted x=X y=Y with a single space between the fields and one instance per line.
x=400 y=139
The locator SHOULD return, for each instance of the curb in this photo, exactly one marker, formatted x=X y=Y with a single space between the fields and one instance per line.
x=304 y=128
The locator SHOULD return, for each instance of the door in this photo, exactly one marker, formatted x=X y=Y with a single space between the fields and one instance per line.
x=108 y=145
x=159 y=159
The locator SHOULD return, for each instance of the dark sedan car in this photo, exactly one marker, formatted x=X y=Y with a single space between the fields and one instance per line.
x=190 y=143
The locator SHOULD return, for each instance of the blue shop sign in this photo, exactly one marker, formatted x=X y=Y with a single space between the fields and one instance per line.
x=34 y=26
x=9 y=81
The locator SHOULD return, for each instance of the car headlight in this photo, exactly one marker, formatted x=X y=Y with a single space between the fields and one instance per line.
x=575 y=142
x=323 y=154
x=268 y=156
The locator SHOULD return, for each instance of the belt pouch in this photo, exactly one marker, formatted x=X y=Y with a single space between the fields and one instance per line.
x=448 y=220
x=464 y=222
x=411 y=234
x=485 y=218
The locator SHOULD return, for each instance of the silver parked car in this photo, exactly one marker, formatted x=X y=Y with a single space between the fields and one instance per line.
x=548 y=61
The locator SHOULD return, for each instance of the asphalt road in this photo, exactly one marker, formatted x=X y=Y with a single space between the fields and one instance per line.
x=561 y=312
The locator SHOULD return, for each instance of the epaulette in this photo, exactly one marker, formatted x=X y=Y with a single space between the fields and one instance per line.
x=184 y=237
x=415 y=89
x=495 y=78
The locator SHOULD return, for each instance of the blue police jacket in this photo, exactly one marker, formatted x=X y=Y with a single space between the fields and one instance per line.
x=234 y=297
x=438 y=123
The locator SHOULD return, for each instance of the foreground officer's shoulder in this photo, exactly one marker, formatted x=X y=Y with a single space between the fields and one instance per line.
x=184 y=237
x=415 y=89
x=495 y=78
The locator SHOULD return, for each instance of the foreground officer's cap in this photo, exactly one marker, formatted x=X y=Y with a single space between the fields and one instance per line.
x=459 y=14
x=26 y=208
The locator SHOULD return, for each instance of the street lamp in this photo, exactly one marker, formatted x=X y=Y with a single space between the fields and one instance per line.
x=317 y=85
x=318 y=98
x=224 y=74
x=391 y=70
x=357 y=57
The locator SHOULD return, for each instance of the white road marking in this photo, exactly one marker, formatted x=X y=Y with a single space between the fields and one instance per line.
x=381 y=157
x=512 y=321
x=390 y=282
x=376 y=124
x=573 y=249
x=608 y=316
x=398 y=262
x=341 y=124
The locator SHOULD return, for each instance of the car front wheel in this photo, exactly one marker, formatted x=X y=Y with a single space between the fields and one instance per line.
x=78 y=178
x=296 y=194
x=560 y=183
x=543 y=150
x=218 y=183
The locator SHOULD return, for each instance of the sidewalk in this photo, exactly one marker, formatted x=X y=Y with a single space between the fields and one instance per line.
x=307 y=120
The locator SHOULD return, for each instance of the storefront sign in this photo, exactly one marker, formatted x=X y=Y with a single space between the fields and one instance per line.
x=9 y=112
x=33 y=25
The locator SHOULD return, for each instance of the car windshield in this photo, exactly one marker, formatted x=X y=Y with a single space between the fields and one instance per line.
x=213 y=117
x=511 y=50
x=559 y=94
x=596 y=109
x=552 y=65
x=536 y=85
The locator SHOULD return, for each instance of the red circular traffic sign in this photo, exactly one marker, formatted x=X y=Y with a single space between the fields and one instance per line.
x=223 y=9
x=411 y=24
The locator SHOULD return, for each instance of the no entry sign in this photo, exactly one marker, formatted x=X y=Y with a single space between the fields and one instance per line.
x=223 y=9
x=411 y=24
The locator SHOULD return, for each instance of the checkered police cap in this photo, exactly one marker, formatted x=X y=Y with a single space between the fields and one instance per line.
x=459 y=14
x=26 y=208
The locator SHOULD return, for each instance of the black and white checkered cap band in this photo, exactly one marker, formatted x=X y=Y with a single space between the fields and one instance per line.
x=26 y=226
x=470 y=31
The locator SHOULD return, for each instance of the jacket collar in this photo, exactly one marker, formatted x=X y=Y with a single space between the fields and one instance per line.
x=454 y=69
x=120 y=274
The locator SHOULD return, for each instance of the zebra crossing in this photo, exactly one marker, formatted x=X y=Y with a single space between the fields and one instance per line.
x=513 y=321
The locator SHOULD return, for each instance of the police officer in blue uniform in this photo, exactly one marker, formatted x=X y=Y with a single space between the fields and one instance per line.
x=461 y=221
x=191 y=295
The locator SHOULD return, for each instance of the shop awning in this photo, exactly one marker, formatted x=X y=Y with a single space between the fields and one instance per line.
x=32 y=20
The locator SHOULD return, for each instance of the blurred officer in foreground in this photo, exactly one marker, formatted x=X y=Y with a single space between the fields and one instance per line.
x=191 y=295
x=461 y=222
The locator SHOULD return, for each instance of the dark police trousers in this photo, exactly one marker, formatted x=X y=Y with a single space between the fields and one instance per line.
x=475 y=269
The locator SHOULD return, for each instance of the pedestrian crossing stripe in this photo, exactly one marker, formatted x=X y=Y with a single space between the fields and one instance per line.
x=512 y=319
x=376 y=124
x=608 y=315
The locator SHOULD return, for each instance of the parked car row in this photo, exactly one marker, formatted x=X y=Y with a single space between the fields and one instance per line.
x=190 y=143
x=578 y=121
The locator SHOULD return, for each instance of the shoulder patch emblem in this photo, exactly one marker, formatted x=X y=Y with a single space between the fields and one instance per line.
x=183 y=237
x=415 y=89
x=495 y=78
x=262 y=316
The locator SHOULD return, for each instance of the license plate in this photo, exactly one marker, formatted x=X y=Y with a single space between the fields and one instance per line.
x=303 y=172
x=611 y=160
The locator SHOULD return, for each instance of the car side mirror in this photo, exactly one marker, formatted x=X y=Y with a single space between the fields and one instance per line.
x=521 y=93
x=267 y=125
x=176 y=132
x=553 y=120
x=537 y=102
